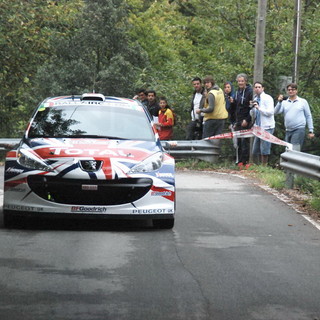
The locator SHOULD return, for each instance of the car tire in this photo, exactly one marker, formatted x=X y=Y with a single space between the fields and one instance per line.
x=9 y=220
x=163 y=223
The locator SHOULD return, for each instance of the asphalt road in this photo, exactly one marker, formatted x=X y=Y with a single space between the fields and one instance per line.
x=236 y=252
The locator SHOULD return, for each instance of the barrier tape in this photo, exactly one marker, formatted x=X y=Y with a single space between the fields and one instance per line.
x=255 y=131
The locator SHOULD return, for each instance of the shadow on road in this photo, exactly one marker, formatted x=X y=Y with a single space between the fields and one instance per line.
x=80 y=224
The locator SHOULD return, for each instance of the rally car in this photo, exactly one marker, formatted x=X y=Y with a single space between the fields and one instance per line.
x=90 y=156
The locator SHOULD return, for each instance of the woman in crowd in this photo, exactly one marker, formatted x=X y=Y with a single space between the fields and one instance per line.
x=228 y=94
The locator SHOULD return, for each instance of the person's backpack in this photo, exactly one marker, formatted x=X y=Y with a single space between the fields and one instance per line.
x=175 y=118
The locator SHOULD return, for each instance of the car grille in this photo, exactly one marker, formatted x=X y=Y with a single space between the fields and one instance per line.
x=89 y=192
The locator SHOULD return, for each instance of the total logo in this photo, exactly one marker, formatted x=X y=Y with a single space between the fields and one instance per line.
x=90 y=152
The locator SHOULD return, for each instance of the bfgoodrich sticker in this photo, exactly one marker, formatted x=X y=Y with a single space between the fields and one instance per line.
x=88 y=209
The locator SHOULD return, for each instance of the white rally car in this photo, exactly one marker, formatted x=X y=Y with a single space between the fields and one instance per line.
x=90 y=156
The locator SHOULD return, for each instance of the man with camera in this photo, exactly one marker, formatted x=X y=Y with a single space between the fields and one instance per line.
x=297 y=115
x=263 y=113
x=194 y=128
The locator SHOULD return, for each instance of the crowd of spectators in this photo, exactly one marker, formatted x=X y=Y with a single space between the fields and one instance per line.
x=242 y=108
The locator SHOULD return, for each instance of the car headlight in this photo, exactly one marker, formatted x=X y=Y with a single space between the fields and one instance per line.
x=151 y=163
x=30 y=160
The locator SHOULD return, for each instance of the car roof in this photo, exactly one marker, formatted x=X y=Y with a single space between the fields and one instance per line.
x=92 y=98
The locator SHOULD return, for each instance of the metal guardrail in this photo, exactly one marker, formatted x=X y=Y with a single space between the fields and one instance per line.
x=301 y=163
x=8 y=143
x=207 y=150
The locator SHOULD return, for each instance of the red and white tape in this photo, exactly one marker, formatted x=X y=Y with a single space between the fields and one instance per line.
x=254 y=131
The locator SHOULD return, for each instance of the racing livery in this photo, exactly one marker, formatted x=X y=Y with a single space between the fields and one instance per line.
x=90 y=156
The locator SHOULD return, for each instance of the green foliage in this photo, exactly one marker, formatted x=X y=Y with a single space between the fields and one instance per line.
x=98 y=55
x=115 y=46
x=315 y=203
x=308 y=185
x=311 y=187
x=196 y=164
x=274 y=178
x=25 y=33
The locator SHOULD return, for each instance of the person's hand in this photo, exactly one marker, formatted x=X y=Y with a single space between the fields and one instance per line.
x=280 y=98
x=231 y=99
x=310 y=135
x=244 y=123
x=198 y=111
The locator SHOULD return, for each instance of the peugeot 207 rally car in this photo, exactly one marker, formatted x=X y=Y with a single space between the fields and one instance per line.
x=90 y=156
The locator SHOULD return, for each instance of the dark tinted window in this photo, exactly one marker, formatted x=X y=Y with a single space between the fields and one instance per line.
x=103 y=120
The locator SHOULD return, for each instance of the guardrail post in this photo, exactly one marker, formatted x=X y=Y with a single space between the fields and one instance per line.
x=289 y=183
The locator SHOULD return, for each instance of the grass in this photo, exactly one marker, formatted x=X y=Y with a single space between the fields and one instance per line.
x=273 y=177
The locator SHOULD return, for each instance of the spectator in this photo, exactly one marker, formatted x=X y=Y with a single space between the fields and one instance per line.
x=153 y=106
x=194 y=128
x=240 y=117
x=142 y=96
x=228 y=94
x=165 y=120
x=214 y=109
x=263 y=110
x=297 y=115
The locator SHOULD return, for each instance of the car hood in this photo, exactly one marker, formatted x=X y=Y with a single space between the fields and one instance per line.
x=48 y=148
x=65 y=155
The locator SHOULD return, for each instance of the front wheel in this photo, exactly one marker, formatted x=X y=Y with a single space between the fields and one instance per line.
x=163 y=223
x=9 y=220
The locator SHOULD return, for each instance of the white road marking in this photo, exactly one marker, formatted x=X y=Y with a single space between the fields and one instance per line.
x=315 y=223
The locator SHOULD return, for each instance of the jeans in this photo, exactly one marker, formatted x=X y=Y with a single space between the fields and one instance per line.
x=212 y=127
x=296 y=136
x=261 y=146
x=194 y=130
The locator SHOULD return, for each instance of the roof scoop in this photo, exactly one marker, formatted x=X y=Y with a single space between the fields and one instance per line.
x=93 y=97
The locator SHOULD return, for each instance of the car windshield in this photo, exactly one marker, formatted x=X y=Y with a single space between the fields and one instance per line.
x=93 y=121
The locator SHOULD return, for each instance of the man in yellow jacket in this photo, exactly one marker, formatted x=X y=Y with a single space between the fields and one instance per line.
x=214 y=110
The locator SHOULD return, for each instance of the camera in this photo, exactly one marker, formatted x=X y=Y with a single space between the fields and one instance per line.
x=284 y=97
x=253 y=104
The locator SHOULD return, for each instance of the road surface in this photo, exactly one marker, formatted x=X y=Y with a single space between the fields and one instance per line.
x=236 y=252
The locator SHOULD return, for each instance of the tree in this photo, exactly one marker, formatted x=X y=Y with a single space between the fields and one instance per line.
x=25 y=31
x=98 y=56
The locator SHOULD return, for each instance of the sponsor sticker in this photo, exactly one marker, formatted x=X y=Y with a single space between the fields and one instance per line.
x=14 y=170
x=88 y=209
x=148 y=211
x=89 y=187
x=23 y=208
x=164 y=175
x=161 y=193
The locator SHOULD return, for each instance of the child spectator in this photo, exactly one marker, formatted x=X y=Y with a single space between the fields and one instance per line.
x=166 y=120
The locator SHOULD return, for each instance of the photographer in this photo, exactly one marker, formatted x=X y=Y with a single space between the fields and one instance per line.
x=263 y=113
x=297 y=115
